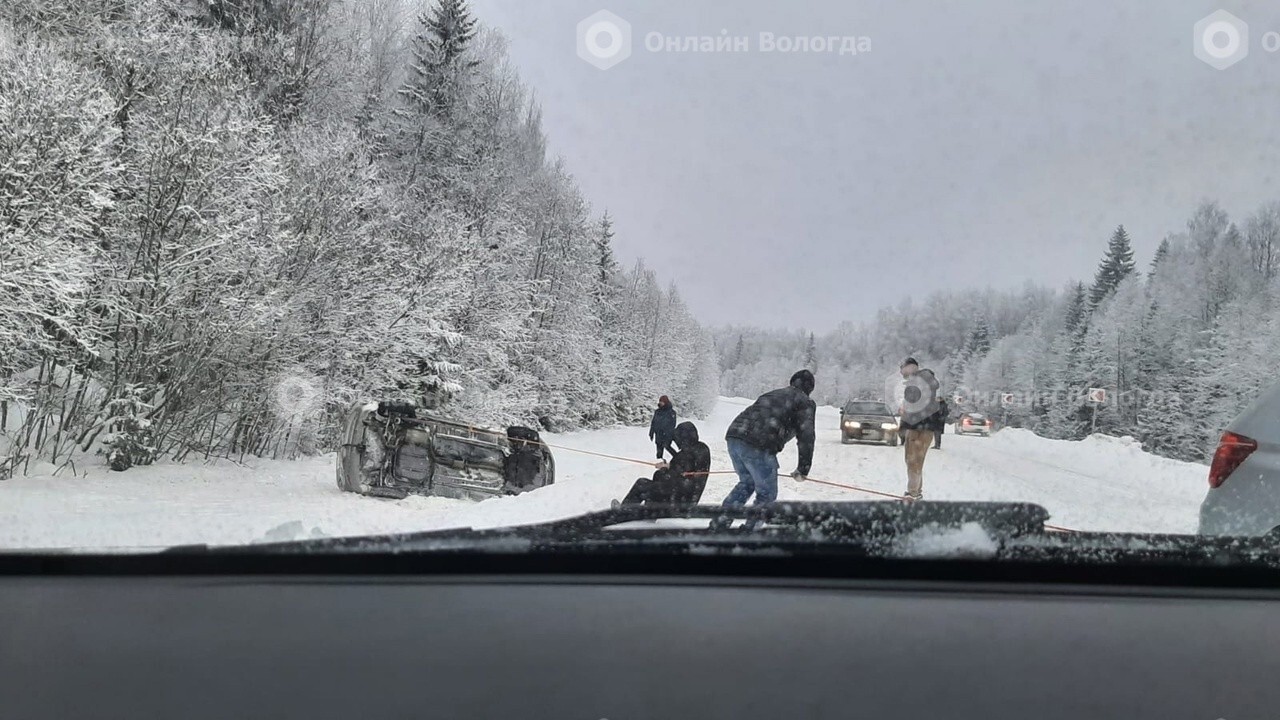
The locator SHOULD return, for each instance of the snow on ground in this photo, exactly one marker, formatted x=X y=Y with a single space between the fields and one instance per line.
x=1100 y=483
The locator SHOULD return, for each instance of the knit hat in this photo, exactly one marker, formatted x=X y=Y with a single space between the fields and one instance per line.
x=803 y=379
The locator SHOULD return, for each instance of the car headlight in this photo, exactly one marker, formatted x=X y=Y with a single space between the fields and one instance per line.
x=852 y=424
x=889 y=426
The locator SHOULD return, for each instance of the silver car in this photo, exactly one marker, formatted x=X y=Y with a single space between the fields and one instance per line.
x=973 y=424
x=1244 y=479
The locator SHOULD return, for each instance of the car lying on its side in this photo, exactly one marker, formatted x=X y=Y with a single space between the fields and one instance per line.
x=868 y=421
x=395 y=449
x=974 y=424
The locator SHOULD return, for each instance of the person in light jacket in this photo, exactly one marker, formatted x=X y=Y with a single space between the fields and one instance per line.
x=919 y=406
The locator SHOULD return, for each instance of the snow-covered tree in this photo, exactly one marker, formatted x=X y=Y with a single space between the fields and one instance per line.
x=811 y=354
x=58 y=174
x=220 y=224
x=1117 y=265
x=440 y=58
x=1180 y=351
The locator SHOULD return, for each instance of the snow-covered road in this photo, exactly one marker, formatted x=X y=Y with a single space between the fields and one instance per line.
x=1097 y=484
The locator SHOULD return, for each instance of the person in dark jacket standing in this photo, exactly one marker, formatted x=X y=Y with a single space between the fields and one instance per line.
x=662 y=429
x=940 y=422
x=682 y=481
x=761 y=431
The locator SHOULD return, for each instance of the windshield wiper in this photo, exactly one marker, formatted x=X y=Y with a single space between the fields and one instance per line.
x=858 y=527
x=833 y=521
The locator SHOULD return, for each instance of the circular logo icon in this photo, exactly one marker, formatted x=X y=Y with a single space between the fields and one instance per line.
x=603 y=39
x=296 y=395
x=918 y=399
x=1221 y=40
x=912 y=397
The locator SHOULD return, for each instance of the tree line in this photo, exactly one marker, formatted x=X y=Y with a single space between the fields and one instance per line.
x=1181 y=344
x=222 y=222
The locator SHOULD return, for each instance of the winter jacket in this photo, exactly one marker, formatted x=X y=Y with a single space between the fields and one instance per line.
x=939 y=419
x=689 y=466
x=920 y=400
x=778 y=416
x=684 y=478
x=662 y=428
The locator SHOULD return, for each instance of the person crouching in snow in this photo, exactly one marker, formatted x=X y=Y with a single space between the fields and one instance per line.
x=663 y=426
x=680 y=482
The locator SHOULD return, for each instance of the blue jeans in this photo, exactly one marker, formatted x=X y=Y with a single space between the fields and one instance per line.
x=757 y=473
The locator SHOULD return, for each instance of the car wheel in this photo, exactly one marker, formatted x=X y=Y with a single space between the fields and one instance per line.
x=351 y=451
x=529 y=464
x=548 y=467
x=350 y=459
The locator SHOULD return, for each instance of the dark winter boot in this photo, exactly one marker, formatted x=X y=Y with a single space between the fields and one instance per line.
x=720 y=524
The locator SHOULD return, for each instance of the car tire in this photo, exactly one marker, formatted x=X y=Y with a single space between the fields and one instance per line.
x=351 y=451
x=530 y=464
x=548 y=466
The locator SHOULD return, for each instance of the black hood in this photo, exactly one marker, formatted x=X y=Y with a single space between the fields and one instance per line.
x=803 y=380
x=686 y=435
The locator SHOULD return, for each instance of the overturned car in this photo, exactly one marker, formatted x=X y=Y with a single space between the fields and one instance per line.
x=395 y=449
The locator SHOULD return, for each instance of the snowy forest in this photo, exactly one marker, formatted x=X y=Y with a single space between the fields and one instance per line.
x=223 y=221
x=1181 y=341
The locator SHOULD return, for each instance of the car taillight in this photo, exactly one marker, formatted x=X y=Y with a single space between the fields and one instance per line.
x=1232 y=450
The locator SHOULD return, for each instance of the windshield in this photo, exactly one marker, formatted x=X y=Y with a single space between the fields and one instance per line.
x=276 y=271
x=867 y=408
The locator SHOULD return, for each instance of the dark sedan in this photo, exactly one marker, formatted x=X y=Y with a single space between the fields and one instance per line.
x=868 y=421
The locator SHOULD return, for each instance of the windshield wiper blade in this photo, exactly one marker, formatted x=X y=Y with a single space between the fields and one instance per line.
x=871 y=526
x=854 y=519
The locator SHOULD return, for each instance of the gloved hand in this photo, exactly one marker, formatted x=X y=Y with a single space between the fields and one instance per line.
x=650 y=436
x=798 y=476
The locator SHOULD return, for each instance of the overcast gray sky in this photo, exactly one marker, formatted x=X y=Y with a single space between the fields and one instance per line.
x=977 y=144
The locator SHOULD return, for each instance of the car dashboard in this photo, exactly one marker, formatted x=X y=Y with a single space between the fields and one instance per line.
x=517 y=635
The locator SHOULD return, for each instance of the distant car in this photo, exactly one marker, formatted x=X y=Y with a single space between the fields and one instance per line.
x=1244 y=477
x=973 y=424
x=395 y=449
x=868 y=421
